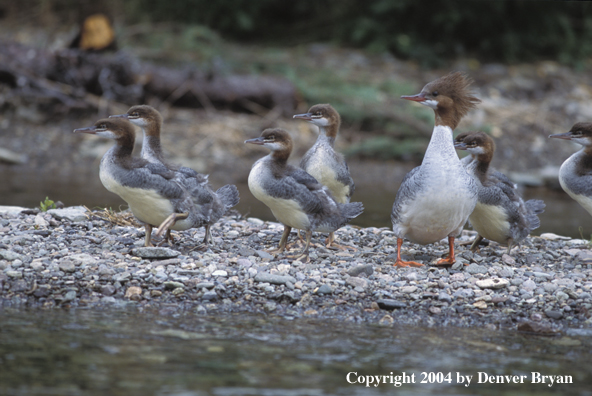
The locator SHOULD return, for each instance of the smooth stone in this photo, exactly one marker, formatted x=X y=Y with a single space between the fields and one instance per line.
x=11 y=209
x=244 y=263
x=14 y=274
x=408 y=289
x=357 y=282
x=255 y=221
x=476 y=269
x=207 y=285
x=170 y=285
x=361 y=269
x=82 y=259
x=67 y=266
x=554 y=237
x=155 y=252
x=210 y=295
x=107 y=290
x=507 y=259
x=529 y=285
x=133 y=291
x=390 y=304
x=70 y=296
x=443 y=296
x=40 y=221
x=492 y=283
x=554 y=314
x=274 y=279
x=579 y=332
x=73 y=213
x=324 y=289
x=105 y=270
x=9 y=255
x=220 y=273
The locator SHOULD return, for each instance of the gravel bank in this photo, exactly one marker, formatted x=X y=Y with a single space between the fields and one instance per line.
x=73 y=258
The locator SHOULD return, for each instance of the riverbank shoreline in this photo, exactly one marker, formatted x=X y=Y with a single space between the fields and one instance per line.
x=72 y=258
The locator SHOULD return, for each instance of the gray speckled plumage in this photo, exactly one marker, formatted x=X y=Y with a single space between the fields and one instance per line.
x=501 y=214
x=212 y=205
x=288 y=182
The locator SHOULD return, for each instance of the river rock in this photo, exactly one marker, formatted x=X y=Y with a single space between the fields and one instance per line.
x=73 y=213
x=390 y=304
x=155 y=252
x=361 y=269
x=492 y=283
x=273 y=278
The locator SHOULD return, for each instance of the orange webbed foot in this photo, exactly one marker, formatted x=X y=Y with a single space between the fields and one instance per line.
x=401 y=263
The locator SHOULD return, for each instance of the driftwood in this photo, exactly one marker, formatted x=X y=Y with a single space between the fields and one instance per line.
x=74 y=79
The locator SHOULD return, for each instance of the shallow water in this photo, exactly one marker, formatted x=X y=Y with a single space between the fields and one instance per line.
x=125 y=352
x=26 y=188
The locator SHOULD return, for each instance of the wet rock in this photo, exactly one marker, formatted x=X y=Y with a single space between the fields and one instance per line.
x=553 y=314
x=210 y=296
x=69 y=296
x=155 y=252
x=107 y=290
x=537 y=328
x=389 y=304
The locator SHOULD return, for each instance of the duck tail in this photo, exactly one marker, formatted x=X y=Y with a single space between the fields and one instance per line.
x=228 y=194
x=351 y=210
x=534 y=207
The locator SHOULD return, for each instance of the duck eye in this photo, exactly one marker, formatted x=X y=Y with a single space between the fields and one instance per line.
x=435 y=93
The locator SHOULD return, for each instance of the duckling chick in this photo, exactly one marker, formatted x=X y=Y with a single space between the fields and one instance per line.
x=575 y=174
x=151 y=190
x=436 y=198
x=295 y=198
x=212 y=205
x=500 y=215
x=322 y=162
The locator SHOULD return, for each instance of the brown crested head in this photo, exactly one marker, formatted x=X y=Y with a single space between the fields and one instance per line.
x=450 y=97
x=580 y=133
x=478 y=143
x=327 y=112
x=117 y=129
x=277 y=140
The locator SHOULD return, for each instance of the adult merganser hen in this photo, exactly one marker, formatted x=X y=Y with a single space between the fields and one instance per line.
x=575 y=175
x=322 y=162
x=436 y=198
x=151 y=190
x=213 y=205
x=500 y=215
x=295 y=198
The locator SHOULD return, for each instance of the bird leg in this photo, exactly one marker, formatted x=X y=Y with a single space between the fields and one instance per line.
x=450 y=259
x=510 y=245
x=401 y=263
x=148 y=237
x=475 y=244
x=170 y=221
x=331 y=245
x=304 y=253
x=283 y=241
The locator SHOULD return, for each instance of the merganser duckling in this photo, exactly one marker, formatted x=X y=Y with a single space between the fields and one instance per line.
x=322 y=162
x=436 y=198
x=295 y=198
x=575 y=174
x=151 y=190
x=500 y=215
x=213 y=205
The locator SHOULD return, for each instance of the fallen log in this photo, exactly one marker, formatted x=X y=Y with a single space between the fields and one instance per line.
x=122 y=78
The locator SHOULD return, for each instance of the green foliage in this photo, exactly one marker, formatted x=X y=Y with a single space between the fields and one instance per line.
x=429 y=31
x=46 y=204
